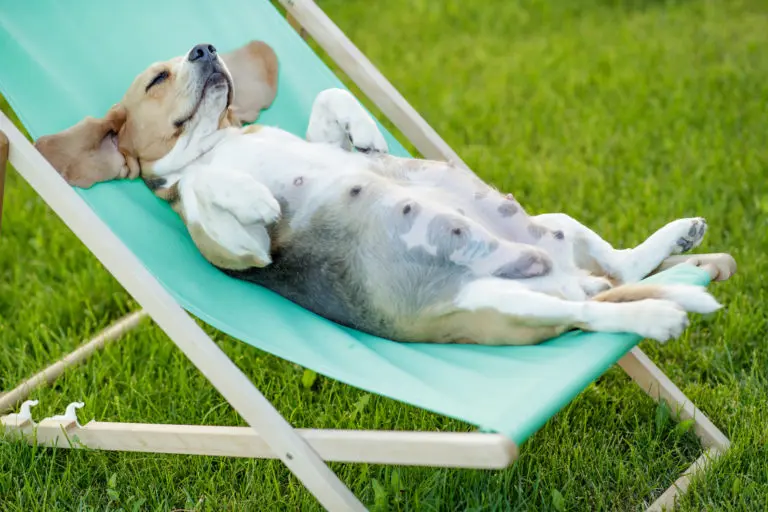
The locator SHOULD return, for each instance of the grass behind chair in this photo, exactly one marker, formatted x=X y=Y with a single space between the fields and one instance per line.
x=623 y=114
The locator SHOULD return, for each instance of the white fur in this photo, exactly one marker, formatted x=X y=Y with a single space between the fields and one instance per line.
x=336 y=115
x=659 y=320
x=691 y=298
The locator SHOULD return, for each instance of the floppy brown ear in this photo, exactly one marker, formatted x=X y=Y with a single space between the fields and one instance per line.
x=254 y=72
x=87 y=152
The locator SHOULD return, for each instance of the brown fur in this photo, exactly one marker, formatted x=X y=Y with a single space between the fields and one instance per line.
x=135 y=133
x=229 y=119
x=630 y=293
x=252 y=128
x=170 y=194
x=125 y=143
x=147 y=135
x=86 y=153
x=254 y=72
x=216 y=254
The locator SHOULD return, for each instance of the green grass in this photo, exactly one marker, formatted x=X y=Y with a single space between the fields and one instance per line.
x=624 y=114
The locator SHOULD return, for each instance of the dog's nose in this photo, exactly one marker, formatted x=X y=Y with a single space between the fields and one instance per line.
x=202 y=52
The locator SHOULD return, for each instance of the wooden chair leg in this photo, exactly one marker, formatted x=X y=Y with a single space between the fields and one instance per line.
x=4 y=146
x=658 y=386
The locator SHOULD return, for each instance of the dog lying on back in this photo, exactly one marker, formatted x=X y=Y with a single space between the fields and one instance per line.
x=412 y=250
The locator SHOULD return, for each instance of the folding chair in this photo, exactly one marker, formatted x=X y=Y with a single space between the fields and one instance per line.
x=62 y=61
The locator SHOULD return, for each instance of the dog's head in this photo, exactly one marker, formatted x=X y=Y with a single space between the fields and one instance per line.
x=167 y=116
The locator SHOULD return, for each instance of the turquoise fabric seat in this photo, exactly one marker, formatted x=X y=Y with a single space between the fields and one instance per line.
x=61 y=61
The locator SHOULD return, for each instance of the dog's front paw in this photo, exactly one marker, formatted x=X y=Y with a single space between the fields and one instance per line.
x=245 y=198
x=691 y=233
x=256 y=205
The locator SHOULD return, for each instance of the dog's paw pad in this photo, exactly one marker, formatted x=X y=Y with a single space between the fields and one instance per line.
x=691 y=234
x=366 y=138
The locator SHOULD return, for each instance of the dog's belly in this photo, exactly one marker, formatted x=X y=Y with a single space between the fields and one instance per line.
x=306 y=176
x=303 y=176
x=367 y=250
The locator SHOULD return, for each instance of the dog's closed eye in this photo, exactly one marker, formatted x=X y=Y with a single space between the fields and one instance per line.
x=159 y=78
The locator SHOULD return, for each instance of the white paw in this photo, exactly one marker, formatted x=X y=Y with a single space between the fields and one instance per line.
x=365 y=136
x=262 y=208
x=688 y=233
x=339 y=119
x=632 y=265
x=256 y=205
x=247 y=199
x=659 y=320
x=695 y=299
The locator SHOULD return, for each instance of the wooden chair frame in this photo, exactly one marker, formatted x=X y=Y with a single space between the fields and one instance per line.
x=269 y=435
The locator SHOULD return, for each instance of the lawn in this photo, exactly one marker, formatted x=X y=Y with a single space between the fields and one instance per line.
x=624 y=114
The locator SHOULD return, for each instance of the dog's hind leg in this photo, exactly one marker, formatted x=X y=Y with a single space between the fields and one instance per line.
x=338 y=118
x=500 y=312
x=626 y=265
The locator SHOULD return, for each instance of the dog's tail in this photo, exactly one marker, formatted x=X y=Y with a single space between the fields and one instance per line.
x=691 y=298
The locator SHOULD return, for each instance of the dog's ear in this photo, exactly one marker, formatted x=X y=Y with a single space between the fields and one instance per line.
x=87 y=153
x=254 y=72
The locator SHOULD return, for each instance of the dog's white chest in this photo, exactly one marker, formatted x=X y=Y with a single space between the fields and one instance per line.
x=303 y=175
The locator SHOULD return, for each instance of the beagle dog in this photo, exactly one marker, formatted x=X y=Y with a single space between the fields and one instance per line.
x=407 y=249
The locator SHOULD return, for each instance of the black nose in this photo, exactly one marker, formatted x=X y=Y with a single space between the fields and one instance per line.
x=202 y=52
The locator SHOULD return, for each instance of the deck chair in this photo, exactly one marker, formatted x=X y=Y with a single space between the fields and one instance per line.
x=58 y=65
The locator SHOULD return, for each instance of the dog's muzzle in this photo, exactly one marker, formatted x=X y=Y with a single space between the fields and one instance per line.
x=210 y=69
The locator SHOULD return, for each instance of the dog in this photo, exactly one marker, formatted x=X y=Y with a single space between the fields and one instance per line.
x=407 y=249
